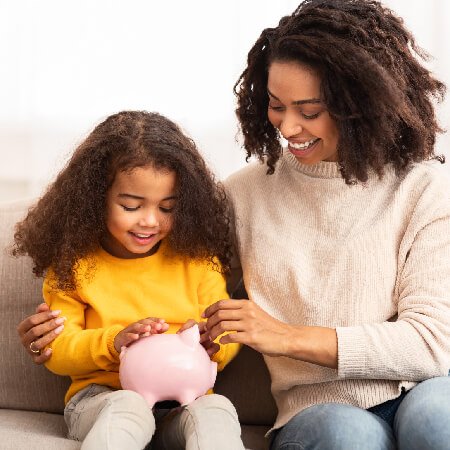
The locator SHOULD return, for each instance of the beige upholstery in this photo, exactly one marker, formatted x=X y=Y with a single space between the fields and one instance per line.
x=31 y=398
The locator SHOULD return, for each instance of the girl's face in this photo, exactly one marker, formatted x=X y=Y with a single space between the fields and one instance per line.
x=139 y=211
x=296 y=109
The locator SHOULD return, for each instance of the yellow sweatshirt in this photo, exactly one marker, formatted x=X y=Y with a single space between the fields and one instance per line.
x=118 y=292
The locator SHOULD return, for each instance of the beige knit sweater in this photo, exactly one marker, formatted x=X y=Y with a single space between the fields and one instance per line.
x=371 y=260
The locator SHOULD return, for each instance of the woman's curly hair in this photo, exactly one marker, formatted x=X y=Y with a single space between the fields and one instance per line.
x=372 y=84
x=68 y=222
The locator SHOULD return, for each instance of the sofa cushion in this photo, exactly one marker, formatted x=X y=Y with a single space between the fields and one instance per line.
x=246 y=382
x=23 y=430
x=24 y=385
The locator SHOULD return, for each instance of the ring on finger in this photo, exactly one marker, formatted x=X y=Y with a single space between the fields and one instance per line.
x=34 y=349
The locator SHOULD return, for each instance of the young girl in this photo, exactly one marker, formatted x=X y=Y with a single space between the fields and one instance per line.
x=133 y=238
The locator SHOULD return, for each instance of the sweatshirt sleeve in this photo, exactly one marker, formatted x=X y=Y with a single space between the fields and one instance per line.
x=416 y=346
x=77 y=351
x=212 y=289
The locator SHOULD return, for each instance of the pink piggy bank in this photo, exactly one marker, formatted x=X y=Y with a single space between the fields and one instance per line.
x=168 y=367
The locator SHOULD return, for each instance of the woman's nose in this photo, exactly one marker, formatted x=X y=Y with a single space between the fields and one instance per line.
x=290 y=125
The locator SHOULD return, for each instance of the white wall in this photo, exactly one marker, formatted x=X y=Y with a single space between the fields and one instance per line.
x=66 y=65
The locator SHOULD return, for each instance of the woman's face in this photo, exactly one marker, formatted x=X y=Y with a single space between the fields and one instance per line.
x=296 y=109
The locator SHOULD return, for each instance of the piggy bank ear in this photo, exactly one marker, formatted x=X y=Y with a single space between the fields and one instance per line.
x=191 y=336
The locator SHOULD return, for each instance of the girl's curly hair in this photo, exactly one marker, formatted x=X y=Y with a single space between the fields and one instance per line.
x=372 y=85
x=68 y=222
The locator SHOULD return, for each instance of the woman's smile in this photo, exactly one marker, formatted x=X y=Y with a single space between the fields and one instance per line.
x=302 y=150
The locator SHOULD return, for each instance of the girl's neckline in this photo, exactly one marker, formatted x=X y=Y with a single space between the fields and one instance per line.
x=106 y=255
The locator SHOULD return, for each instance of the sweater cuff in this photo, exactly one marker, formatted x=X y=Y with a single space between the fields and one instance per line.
x=218 y=357
x=226 y=353
x=351 y=352
x=111 y=333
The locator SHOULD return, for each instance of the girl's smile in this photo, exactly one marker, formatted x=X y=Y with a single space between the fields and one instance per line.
x=143 y=239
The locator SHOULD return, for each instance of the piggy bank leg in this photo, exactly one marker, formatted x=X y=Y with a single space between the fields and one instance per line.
x=186 y=397
x=149 y=398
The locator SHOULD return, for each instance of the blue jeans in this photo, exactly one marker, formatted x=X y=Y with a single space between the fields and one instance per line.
x=417 y=420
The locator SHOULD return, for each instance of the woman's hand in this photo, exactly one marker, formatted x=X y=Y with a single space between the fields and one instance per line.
x=207 y=343
x=137 y=330
x=249 y=325
x=254 y=327
x=39 y=330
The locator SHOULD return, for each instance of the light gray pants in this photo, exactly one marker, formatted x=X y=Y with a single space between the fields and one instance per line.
x=105 y=419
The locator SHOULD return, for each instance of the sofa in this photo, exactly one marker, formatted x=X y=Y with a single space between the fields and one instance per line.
x=31 y=397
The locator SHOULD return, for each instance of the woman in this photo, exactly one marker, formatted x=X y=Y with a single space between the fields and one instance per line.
x=344 y=236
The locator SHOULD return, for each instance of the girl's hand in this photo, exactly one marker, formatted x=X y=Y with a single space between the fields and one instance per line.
x=208 y=344
x=249 y=325
x=137 y=330
x=39 y=330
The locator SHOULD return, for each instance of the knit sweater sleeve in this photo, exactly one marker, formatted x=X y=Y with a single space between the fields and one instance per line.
x=79 y=351
x=416 y=346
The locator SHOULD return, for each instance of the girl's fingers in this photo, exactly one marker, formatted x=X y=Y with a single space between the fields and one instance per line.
x=188 y=324
x=131 y=337
x=124 y=339
x=150 y=320
x=138 y=328
x=157 y=325
x=143 y=330
x=164 y=328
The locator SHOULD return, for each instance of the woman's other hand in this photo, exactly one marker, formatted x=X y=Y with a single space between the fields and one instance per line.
x=39 y=330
